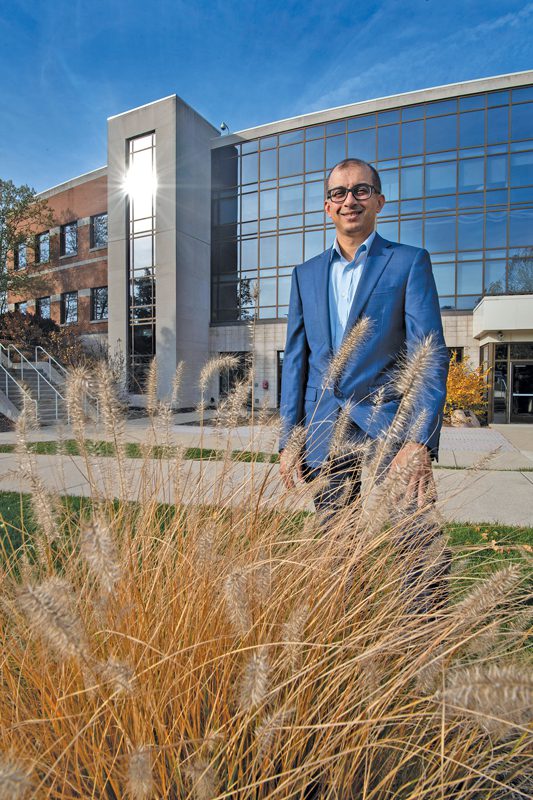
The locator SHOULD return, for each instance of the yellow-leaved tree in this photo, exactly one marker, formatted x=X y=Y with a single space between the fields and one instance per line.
x=467 y=387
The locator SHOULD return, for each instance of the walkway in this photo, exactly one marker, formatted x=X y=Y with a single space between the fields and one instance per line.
x=501 y=491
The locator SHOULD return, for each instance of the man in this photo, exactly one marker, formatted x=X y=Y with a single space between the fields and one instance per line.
x=362 y=275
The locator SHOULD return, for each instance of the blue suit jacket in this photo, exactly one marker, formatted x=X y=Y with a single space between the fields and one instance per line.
x=397 y=292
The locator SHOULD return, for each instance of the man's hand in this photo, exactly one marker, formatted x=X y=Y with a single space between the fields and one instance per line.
x=288 y=465
x=415 y=459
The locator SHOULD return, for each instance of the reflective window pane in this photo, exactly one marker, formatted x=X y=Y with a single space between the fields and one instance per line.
x=269 y=165
x=412 y=182
x=469 y=277
x=315 y=132
x=389 y=183
x=284 y=290
x=362 y=144
x=249 y=254
x=389 y=230
x=268 y=251
x=444 y=275
x=314 y=243
x=413 y=112
x=471 y=102
x=388 y=142
x=268 y=203
x=472 y=129
x=386 y=117
x=412 y=138
x=291 y=136
x=411 y=232
x=335 y=150
x=314 y=196
x=249 y=208
x=496 y=172
x=441 y=134
x=439 y=234
x=267 y=291
x=314 y=155
x=470 y=231
x=290 y=250
x=441 y=178
x=42 y=254
x=249 y=167
x=521 y=169
x=496 y=229
x=521 y=95
x=519 y=280
x=358 y=123
x=497 y=125
x=471 y=174
x=521 y=227
x=497 y=98
x=495 y=277
x=142 y=252
x=291 y=160
x=522 y=121
x=441 y=107
x=291 y=199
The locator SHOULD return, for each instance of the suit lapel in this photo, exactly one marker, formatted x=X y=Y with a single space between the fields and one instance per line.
x=378 y=258
x=322 y=294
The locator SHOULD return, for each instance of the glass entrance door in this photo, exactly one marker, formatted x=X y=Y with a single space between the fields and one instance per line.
x=522 y=392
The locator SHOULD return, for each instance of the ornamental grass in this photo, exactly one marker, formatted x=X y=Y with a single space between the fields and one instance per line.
x=193 y=633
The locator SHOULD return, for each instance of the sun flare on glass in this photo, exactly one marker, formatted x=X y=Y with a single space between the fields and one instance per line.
x=140 y=181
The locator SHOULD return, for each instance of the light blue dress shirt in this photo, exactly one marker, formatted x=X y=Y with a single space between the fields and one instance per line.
x=344 y=278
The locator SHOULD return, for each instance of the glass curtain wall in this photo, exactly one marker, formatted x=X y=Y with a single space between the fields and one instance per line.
x=141 y=172
x=457 y=175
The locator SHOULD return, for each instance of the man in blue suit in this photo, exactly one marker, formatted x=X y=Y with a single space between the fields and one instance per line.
x=362 y=275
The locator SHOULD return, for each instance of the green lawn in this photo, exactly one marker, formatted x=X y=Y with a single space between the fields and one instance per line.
x=133 y=450
x=481 y=547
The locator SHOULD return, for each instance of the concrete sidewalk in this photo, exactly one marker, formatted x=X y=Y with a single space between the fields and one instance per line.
x=501 y=491
x=503 y=497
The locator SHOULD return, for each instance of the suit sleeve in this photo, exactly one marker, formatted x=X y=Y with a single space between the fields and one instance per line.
x=423 y=318
x=295 y=366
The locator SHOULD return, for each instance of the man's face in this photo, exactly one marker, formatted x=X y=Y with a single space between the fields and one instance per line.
x=354 y=217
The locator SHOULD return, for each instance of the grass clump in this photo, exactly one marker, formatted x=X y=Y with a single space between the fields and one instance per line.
x=209 y=640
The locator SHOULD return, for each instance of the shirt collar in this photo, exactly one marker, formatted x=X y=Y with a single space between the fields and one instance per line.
x=366 y=245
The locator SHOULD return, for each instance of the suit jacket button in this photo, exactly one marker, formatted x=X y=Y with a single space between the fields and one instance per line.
x=337 y=393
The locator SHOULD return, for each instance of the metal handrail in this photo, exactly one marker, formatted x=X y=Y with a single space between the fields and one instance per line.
x=50 y=359
x=40 y=376
x=60 y=368
x=19 y=386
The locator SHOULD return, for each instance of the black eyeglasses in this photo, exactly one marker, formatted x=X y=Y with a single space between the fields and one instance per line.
x=361 y=191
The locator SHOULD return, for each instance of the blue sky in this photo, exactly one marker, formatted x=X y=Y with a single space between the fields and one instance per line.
x=66 y=66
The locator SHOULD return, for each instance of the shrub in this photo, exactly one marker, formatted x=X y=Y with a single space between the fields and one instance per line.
x=466 y=388
x=226 y=646
x=27 y=331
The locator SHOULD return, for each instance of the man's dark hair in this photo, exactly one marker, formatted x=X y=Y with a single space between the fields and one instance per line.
x=358 y=162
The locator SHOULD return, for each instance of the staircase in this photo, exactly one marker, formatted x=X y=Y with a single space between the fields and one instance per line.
x=42 y=380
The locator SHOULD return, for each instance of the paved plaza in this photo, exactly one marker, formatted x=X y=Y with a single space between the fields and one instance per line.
x=483 y=475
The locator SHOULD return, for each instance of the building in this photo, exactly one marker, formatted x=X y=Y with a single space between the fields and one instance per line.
x=204 y=230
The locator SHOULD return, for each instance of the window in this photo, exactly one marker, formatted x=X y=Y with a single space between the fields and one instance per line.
x=99 y=230
x=99 y=303
x=21 y=258
x=22 y=308
x=42 y=307
x=69 y=239
x=42 y=248
x=69 y=308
